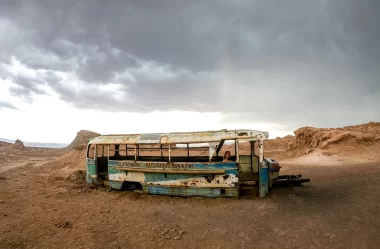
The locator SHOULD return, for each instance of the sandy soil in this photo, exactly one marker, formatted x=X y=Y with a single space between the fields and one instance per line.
x=44 y=207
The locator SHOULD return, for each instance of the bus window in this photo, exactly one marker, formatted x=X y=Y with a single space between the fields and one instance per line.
x=229 y=145
x=91 y=151
x=105 y=150
x=130 y=150
x=244 y=148
x=149 y=150
x=198 y=149
x=123 y=150
x=112 y=150
x=165 y=150
x=99 y=149
x=178 y=150
x=256 y=149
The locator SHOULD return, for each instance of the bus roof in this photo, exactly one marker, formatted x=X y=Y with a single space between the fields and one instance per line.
x=181 y=137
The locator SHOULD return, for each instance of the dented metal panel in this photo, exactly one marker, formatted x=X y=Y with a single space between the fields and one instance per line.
x=202 y=178
x=179 y=180
x=149 y=138
x=181 y=137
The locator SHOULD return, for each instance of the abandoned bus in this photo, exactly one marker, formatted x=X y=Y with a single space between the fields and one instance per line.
x=183 y=163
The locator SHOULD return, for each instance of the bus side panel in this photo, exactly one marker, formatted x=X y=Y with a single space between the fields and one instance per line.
x=228 y=180
x=91 y=172
x=264 y=179
x=192 y=191
x=181 y=184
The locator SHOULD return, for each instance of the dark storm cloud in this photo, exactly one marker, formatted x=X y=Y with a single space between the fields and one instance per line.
x=31 y=84
x=294 y=62
x=4 y=104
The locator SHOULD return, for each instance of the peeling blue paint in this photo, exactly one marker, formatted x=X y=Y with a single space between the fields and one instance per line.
x=264 y=180
x=194 y=184
x=112 y=170
x=116 y=185
x=192 y=191
x=91 y=169
x=231 y=171
x=160 y=177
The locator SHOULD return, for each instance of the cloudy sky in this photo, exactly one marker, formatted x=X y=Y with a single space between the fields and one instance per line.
x=160 y=66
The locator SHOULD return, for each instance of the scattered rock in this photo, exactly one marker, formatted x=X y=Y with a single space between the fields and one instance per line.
x=308 y=151
x=172 y=232
x=63 y=224
x=18 y=144
x=77 y=175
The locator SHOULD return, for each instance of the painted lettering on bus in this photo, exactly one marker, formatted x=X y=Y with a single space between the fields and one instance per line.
x=154 y=165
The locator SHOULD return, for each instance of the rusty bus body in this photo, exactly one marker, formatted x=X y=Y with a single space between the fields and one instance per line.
x=169 y=164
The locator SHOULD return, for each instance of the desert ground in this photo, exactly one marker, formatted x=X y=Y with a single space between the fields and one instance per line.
x=45 y=201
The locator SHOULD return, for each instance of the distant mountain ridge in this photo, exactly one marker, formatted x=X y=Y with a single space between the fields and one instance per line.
x=36 y=144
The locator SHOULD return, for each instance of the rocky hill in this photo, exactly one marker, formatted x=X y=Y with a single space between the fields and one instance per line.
x=350 y=141
x=81 y=139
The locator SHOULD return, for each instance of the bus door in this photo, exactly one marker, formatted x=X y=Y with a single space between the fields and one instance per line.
x=248 y=170
x=263 y=173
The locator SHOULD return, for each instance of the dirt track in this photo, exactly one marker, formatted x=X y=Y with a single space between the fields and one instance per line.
x=339 y=208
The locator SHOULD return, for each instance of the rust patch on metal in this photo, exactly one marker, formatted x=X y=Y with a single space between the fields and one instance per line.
x=210 y=178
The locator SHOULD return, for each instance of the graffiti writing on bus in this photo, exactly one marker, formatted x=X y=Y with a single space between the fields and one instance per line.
x=154 y=164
